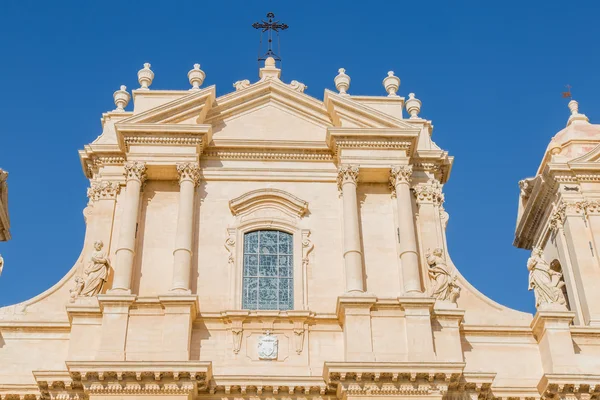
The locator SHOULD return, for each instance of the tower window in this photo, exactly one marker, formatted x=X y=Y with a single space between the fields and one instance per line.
x=268 y=271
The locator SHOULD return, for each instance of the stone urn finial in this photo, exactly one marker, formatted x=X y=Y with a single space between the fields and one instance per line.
x=391 y=84
x=342 y=81
x=574 y=107
x=413 y=106
x=121 y=97
x=196 y=77
x=575 y=115
x=145 y=76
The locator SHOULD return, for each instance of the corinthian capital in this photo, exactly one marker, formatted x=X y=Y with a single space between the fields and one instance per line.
x=400 y=174
x=430 y=192
x=135 y=170
x=100 y=190
x=347 y=173
x=189 y=171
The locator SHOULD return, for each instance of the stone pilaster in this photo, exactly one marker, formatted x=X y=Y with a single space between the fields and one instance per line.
x=347 y=184
x=400 y=177
x=419 y=335
x=135 y=173
x=552 y=331
x=354 y=312
x=189 y=175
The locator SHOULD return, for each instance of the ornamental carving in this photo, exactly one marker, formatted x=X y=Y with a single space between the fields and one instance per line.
x=557 y=218
x=400 y=174
x=298 y=86
x=230 y=246
x=135 y=170
x=444 y=283
x=307 y=247
x=347 y=174
x=240 y=85
x=268 y=347
x=430 y=192
x=100 y=190
x=96 y=274
x=189 y=171
x=545 y=282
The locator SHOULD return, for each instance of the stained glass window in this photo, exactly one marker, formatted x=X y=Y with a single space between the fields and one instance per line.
x=268 y=271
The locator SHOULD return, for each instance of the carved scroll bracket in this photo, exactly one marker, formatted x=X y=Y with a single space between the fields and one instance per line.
x=235 y=319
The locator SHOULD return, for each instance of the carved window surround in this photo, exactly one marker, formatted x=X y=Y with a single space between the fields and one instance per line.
x=269 y=209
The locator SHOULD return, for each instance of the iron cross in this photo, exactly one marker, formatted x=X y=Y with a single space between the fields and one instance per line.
x=270 y=26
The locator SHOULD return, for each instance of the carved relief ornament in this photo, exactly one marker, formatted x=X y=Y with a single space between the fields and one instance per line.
x=307 y=247
x=100 y=190
x=400 y=174
x=189 y=171
x=347 y=174
x=135 y=170
x=430 y=192
x=582 y=208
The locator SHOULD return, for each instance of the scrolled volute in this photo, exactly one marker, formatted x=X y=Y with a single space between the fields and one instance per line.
x=135 y=170
x=347 y=173
x=189 y=171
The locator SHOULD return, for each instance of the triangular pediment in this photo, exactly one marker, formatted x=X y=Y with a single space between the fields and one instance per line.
x=188 y=109
x=272 y=92
x=269 y=111
x=348 y=113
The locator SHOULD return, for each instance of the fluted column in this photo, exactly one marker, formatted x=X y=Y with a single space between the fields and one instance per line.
x=189 y=174
x=400 y=178
x=347 y=183
x=136 y=174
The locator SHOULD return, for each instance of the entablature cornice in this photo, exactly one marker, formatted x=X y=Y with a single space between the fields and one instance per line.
x=371 y=146
x=163 y=135
x=575 y=386
x=404 y=379
x=268 y=385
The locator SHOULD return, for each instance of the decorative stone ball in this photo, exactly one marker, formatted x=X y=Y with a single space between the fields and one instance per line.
x=121 y=98
x=413 y=106
x=145 y=76
x=196 y=77
x=270 y=62
x=342 y=81
x=391 y=84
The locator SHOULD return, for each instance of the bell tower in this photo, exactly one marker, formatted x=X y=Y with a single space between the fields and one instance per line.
x=559 y=220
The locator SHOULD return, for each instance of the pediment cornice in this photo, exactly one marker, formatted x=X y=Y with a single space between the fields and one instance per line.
x=254 y=96
x=342 y=107
x=195 y=106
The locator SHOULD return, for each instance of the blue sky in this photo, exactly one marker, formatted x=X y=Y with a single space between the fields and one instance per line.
x=489 y=74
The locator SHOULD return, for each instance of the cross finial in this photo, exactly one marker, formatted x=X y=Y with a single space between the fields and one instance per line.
x=270 y=26
x=567 y=94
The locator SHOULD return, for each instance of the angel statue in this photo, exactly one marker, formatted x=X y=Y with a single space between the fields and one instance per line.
x=545 y=282
x=96 y=274
x=444 y=285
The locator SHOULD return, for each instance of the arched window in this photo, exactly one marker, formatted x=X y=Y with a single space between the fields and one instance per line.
x=268 y=271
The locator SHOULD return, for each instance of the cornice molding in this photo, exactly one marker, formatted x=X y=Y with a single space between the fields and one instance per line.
x=261 y=198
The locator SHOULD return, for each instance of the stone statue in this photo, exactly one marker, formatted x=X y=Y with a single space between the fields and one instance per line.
x=1 y=264
x=96 y=274
x=444 y=283
x=544 y=281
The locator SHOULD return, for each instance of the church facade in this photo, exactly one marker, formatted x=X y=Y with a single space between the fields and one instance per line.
x=266 y=244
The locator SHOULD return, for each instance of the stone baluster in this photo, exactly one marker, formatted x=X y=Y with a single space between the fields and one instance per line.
x=400 y=178
x=136 y=175
x=189 y=175
x=347 y=183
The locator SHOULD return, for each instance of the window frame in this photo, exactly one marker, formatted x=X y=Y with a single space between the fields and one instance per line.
x=258 y=276
x=299 y=272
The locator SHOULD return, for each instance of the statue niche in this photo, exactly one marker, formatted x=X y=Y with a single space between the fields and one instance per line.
x=546 y=282
x=444 y=286
x=96 y=274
